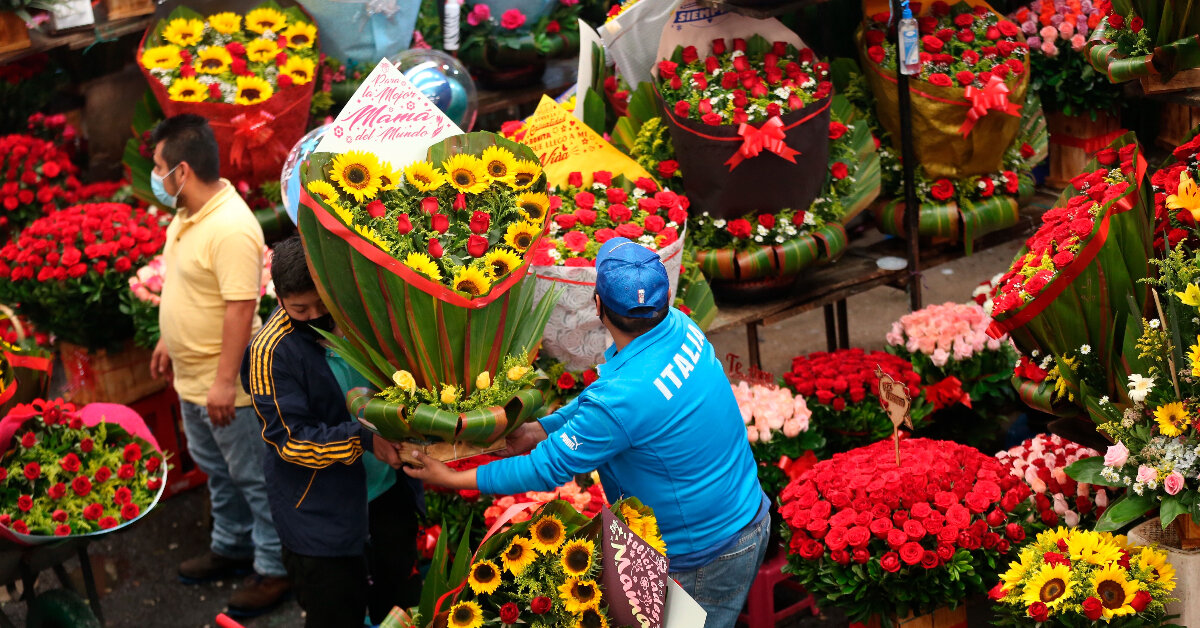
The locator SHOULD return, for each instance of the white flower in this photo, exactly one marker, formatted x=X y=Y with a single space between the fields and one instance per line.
x=762 y=230
x=779 y=239
x=1154 y=323
x=1085 y=349
x=758 y=238
x=809 y=219
x=809 y=84
x=736 y=53
x=1104 y=400
x=554 y=253
x=719 y=223
x=1139 y=387
x=782 y=92
x=1034 y=353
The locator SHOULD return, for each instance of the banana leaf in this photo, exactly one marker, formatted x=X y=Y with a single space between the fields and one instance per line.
x=696 y=294
x=1177 y=49
x=146 y=114
x=479 y=427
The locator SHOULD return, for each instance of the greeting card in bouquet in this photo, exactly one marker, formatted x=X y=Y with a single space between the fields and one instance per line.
x=565 y=145
x=634 y=575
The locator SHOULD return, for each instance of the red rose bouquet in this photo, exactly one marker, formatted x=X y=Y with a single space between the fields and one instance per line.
x=26 y=362
x=877 y=539
x=1041 y=462
x=841 y=390
x=64 y=476
x=68 y=270
x=36 y=177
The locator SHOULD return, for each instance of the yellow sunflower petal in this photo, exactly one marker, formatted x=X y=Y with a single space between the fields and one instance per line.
x=520 y=235
x=262 y=50
x=188 y=90
x=252 y=90
x=357 y=173
x=225 y=23
x=300 y=69
x=423 y=176
x=161 y=58
x=502 y=261
x=424 y=265
x=465 y=615
x=525 y=174
x=213 y=60
x=499 y=162
x=472 y=281
x=301 y=35
x=184 y=31
x=466 y=173
x=265 y=19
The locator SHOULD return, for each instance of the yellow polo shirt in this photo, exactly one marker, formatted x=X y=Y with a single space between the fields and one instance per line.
x=212 y=256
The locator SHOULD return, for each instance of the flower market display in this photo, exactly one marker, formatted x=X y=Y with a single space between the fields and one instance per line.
x=1041 y=462
x=1074 y=577
x=64 y=476
x=778 y=424
x=38 y=178
x=879 y=539
x=510 y=46
x=1146 y=41
x=251 y=75
x=841 y=391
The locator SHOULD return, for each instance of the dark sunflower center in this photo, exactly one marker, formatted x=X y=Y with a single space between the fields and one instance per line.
x=577 y=559
x=300 y=74
x=523 y=240
x=422 y=178
x=485 y=573
x=188 y=93
x=356 y=175
x=533 y=209
x=1052 y=590
x=464 y=615
x=497 y=169
x=383 y=179
x=211 y=64
x=523 y=178
x=299 y=39
x=266 y=24
x=251 y=93
x=548 y=531
x=515 y=553
x=469 y=286
x=592 y=619
x=500 y=267
x=585 y=592
x=463 y=178
x=1111 y=594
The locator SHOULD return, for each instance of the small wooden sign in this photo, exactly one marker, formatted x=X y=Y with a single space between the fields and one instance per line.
x=734 y=370
x=896 y=401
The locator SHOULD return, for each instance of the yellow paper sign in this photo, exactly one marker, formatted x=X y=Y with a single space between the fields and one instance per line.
x=566 y=145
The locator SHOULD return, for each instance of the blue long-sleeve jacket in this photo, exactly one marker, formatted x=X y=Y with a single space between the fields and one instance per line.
x=660 y=424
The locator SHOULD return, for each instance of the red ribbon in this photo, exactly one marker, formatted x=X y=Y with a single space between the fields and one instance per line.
x=796 y=468
x=994 y=95
x=31 y=362
x=769 y=136
x=253 y=131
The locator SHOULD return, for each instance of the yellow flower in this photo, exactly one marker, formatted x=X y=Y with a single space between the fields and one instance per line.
x=502 y=261
x=423 y=176
x=1194 y=357
x=484 y=381
x=252 y=90
x=1172 y=418
x=525 y=174
x=422 y=264
x=262 y=50
x=184 y=31
x=518 y=556
x=323 y=189
x=300 y=69
x=188 y=90
x=1156 y=562
x=1190 y=295
x=591 y=618
x=161 y=58
x=484 y=577
x=1115 y=591
x=265 y=19
x=1015 y=574
x=547 y=534
x=389 y=179
x=579 y=595
x=520 y=235
x=472 y=281
x=404 y=380
x=1188 y=196
x=577 y=557
x=499 y=163
x=517 y=372
x=357 y=173
x=466 y=173
x=465 y=615
x=213 y=60
x=645 y=526
x=449 y=394
x=370 y=234
x=1051 y=586
x=1090 y=547
x=225 y=23
x=300 y=35
x=534 y=204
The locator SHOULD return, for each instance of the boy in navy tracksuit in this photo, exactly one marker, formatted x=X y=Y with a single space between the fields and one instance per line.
x=317 y=482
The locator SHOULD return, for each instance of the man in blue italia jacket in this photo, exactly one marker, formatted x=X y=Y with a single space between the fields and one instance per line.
x=660 y=424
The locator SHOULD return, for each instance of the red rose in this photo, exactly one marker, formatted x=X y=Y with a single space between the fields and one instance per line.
x=576 y=241
x=668 y=168
x=477 y=246
x=439 y=223
x=630 y=230
x=590 y=376
x=375 y=209
x=28 y=440
x=655 y=224
x=20 y=527
x=102 y=475
x=25 y=502
x=62 y=529
x=130 y=511
x=69 y=463
x=614 y=195
x=839 y=170
x=541 y=605
x=941 y=80
x=942 y=189
x=1140 y=601
x=930 y=560
x=712 y=119
x=108 y=523
x=911 y=553
x=739 y=228
x=33 y=471
x=874 y=37
x=566 y=381
x=896 y=538
x=93 y=511
x=876 y=54
x=435 y=248
x=890 y=562
x=965 y=78
x=1038 y=611
x=126 y=472
x=59 y=515
x=619 y=214
x=933 y=44
x=604 y=235
x=1093 y=608
x=858 y=536
x=963 y=20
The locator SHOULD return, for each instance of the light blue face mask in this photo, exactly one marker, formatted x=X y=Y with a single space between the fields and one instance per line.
x=160 y=192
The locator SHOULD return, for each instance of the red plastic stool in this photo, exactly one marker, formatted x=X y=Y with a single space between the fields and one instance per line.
x=760 y=611
x=161 y=413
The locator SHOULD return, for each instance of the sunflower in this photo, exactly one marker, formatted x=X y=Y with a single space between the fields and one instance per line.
x=547 y=534
x=262 y=50
x=520 y=235
x=1050 y=586
x=645 y=526
x=300 y=69
x=421 y=263
x=1115 y=591
x=184 y=31
x=188 y=90
x=300 y=35
x=591 y=618
x=371 y=235
x=499 y=162
x=1092 y=548
x=518 y=556
x=161 y=58
x=1052 y=537
x=423 y=176
x=576 y=557
x=225 y=23
x=471 y=280
x=389 y=179
x=1156 y=562
x=213 y=60
x=579 y=595
x=465 y=615
x=252 y=90
x=357 y=173
x=534 y=204
x=466 y=173
x=502 y=261
x=265 y=19
x=1172 y=418
x=525 y=174
x=1194 y=357
x=1015 y=574
x=484 y=577
x=320 y=188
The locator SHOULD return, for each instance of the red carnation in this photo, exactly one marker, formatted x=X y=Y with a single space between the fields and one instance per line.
x=739 y=228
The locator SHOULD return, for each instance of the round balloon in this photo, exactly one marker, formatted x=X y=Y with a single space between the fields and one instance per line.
x=444 y=80
x=289 y=178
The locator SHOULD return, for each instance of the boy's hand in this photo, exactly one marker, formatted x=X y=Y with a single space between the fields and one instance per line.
x=433 y=471
x=385 y=451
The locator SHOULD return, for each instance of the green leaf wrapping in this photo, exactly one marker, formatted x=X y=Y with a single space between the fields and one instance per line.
x=485 y=425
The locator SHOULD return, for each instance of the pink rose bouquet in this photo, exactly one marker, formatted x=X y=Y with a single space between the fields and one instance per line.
x=781 y=435
x=1041 y=462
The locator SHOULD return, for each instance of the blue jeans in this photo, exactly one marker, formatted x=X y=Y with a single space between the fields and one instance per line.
x=232 y=457
x=721 y=586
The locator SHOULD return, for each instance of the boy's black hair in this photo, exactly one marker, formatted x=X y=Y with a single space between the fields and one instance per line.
x=289 y=269
x=188 y=137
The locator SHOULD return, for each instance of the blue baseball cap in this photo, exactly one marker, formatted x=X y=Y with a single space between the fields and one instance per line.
x=630 y=279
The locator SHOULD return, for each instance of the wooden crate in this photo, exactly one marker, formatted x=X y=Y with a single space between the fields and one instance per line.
x=1187 y=79
x=941 y=618
x=112 y=377
x=1073 y=140
x=1175 y=123
x=14 y=35
x=121 y=9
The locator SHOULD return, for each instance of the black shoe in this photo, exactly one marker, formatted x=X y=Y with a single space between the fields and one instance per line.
x=212 y=566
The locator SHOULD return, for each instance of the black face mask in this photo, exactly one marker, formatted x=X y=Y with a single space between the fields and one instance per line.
x=308 y=327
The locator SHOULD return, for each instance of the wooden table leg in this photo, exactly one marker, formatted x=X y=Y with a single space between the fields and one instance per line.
x=831 y=333
x=843 y=325
x=752 y=339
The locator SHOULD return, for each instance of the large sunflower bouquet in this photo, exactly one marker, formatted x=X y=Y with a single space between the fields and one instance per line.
x=1072 y=577
x=251 y=75
x=423 y=266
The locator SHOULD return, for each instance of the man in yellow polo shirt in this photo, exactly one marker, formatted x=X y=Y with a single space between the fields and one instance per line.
x=208 y=314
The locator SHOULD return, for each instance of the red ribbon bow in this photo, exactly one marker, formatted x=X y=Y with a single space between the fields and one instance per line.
x=769 y=137
x=994 y=95
x=251 y=131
